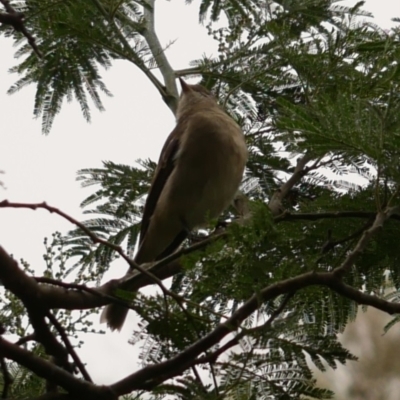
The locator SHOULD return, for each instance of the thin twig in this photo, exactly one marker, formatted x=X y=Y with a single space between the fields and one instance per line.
x=68 y=345
x=288 y=216
x=84 y=288
x=362 y=243
x=198 y=379
x=114 y=299
x=95 y=239
x=212 y=357
x=275 y=203
x=155 y=267
x=25 y=339
x=331 y=244
x=16 y=20
x=152 y=375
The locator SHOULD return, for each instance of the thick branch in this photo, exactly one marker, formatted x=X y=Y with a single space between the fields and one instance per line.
x=93 y=237
x=130 y=53
x=44 y=336
x=69 y=346
x=45 y=369
x=151 y=376
x=68 y=296
x=28 y=291
x=149 y=33
x=84 y=297
x=26 y=288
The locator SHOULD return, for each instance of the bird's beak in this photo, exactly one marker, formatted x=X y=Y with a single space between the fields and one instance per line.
x=185 y=87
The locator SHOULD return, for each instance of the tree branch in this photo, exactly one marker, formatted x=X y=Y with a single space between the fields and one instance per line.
x=16 y=20
x=44 y=336
x=69 y=347
x=28 y=291
x=152 y=375
x=93 y=237
x=288 y=216
x=275 y=203
x=83 y=297
x=141 y=277
x=47 y=370
x=212 y=357
x=377 y=225
x=149 y=33
x=130 y=53
x=26 y=288
x=25 y=339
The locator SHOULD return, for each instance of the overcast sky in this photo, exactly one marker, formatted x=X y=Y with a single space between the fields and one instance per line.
x=135 y=124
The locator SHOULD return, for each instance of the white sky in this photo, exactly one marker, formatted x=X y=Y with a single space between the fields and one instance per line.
x=135 y=124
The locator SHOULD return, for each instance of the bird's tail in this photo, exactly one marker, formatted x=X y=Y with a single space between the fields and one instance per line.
x=114 y=315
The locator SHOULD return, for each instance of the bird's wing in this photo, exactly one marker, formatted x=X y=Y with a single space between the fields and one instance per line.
x=166 y=165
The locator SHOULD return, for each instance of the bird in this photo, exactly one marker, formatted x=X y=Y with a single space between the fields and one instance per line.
x=199 y=171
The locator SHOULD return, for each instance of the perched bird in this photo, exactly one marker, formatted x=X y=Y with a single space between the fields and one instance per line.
x=199 y=171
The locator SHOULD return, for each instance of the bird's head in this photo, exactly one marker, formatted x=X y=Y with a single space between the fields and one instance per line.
x=194 y=97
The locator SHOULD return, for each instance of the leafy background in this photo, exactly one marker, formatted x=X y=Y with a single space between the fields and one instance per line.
x=327 y=118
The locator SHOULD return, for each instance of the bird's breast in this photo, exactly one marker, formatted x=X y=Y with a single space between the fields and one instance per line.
x=211 y=161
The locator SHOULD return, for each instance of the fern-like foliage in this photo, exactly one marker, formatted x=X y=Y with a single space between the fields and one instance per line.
x=299 y=78
x=76 y=39
x=115 y=209
x=25 y=384
x=302 y=78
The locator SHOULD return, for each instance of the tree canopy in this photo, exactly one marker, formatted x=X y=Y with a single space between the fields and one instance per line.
x=261 y=295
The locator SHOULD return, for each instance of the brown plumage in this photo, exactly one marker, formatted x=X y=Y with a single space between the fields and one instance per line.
x=199 y=171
